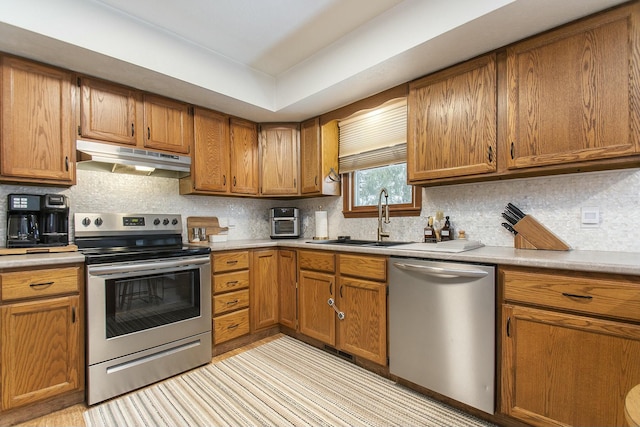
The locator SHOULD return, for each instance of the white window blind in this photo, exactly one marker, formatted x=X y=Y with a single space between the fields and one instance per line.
x=374 y=138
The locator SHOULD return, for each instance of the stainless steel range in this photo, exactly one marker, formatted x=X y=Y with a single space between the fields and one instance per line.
x=148 y=301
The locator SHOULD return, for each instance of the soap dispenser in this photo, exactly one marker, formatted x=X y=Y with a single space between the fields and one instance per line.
x=429 y=232
x=447 y=231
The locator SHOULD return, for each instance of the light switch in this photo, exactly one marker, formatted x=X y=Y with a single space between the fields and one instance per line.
x=590 y=217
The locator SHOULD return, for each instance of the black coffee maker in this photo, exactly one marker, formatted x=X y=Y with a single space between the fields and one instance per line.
x=23 y=221
x=54 y=220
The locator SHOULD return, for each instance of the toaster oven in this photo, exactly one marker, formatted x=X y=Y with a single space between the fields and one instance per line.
x=285 y=223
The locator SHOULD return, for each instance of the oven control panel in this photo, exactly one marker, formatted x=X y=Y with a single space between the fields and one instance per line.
x=111 y=223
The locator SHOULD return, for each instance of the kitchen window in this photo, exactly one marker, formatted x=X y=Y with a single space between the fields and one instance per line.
x=373 y=153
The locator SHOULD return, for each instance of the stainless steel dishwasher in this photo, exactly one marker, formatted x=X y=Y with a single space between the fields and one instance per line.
x=442 y=328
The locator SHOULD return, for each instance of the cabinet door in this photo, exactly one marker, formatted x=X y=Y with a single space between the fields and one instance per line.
x=452 y=122
x=264 y=301
x=573 y=92
x=287 y=290
x=310 y=167
x=40 y=355
x=168 y=124
x=210 y=168
x=38 y=115
x=316 y=317
x=562 y=369
x=109 y=112
x=363 y=331
x=244 y=157
x=279 y=159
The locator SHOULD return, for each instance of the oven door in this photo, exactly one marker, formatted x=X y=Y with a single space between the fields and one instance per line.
x=134 y=306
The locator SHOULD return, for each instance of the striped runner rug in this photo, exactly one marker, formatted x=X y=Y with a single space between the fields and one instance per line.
x=281 y=383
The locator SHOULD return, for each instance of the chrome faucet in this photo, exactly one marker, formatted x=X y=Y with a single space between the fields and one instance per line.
x=381 y=232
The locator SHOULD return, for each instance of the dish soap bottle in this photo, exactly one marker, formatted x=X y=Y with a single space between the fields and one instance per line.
x=447 y=231
x=429 y=232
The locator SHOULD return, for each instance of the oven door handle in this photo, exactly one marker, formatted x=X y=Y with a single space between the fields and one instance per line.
x=141 y=267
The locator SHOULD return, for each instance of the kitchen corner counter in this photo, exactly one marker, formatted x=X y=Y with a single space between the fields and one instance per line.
x=43 y=259
x=593 y=261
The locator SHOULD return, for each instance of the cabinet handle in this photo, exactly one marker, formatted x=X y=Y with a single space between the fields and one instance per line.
x=232 y=261
x=73 y=315
x=234 y=302
x=234 y=181
x=490 y=154
x=66 y=163
x=509 y=326
x=330 y=289
x=148 y=132
x=133 y=132
x=232 y=283
x=315 y=180
x=513 y=151
x=43 y=284
x=224 y=180
x=568 y=295
x=233 y=326
x=341 y=296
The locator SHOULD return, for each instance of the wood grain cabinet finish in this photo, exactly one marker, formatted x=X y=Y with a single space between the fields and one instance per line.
x=567 y=357
x=231 y=296
x=288 y=296
x=37 y=139
x=452 y=122
x=41 y=351
x=279 y=172
x=318 y=157
x=244 y=156
x=264 y=289
x=316 y=284
x=168 y=124
x=573 y=92
x=109 y=112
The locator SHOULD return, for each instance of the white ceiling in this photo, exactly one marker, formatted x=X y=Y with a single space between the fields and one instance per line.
x=271 y=60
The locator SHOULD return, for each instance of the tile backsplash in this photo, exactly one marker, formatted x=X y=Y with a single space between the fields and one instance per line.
x=554 y=201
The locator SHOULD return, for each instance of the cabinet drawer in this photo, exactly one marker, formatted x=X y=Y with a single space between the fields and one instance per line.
x=230 y=326
x=230 y=281
x=36 y=283
x=230 y=261
x=363 y=266
x=600 y=294
x=230 y=301
x=318 y=261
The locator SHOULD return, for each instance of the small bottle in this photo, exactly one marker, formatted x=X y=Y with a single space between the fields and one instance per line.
x=429 y=232
x=447 y=231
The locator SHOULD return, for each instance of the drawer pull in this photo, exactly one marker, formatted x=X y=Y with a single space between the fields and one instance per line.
x=41 y=285
x=568 y=295
x=234 y=302
x=232 y=283
x=233 y=326
x=231 y=262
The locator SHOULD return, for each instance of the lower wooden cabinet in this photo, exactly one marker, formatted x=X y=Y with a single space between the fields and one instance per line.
x=316 y=317
x=231 y=296
x=264 y=289
x=288 y=296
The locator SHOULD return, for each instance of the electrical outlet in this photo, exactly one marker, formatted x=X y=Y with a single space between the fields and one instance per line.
x=590 y=217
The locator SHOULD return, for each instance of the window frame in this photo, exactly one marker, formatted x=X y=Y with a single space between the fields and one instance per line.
x=350 y=211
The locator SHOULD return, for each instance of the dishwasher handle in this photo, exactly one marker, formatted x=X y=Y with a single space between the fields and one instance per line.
x=440 y=271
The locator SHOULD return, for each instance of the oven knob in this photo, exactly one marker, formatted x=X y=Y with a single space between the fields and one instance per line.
x=156 y=221
x=86 y=221
x=174 y=222
x=165 y=221
x=98 y=221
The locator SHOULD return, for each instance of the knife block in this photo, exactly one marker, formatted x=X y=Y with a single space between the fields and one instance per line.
x=533 y=235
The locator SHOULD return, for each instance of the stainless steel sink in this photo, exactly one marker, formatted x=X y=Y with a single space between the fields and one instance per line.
x=357 y=242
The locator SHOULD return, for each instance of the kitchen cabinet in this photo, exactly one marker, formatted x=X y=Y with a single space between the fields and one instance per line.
x=570 y=346
x=109 y=112
x=319 y=158
x=244 y=157
x=573 y=93
x=316 y=285
x=210 y=160
x=287 y=291
x=264 y=289
x=168 y=124
x=279 y=159
x=231 y=295
x=37 y=137
x=42 y=352
x=452 y=122
x=362 y=297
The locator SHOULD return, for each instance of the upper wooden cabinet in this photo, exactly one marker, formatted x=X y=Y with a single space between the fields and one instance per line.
x=109 y=112
x=573 y=93
x=37 y=139
x=210 y=158
x=279 y=159
x=452 y=122
x=319 y=158
x=244 y=157
x=168 y=124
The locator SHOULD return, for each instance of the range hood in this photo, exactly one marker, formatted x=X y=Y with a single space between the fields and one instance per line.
x=99 y=156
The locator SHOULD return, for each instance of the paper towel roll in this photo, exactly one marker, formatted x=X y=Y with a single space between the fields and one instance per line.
x=322 y=228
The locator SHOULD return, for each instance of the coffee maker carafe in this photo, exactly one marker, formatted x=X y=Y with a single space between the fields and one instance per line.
x=23 y=216
x=54 y=220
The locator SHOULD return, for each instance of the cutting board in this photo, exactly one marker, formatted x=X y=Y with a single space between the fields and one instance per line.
x=210 y=223
x=38 y=250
